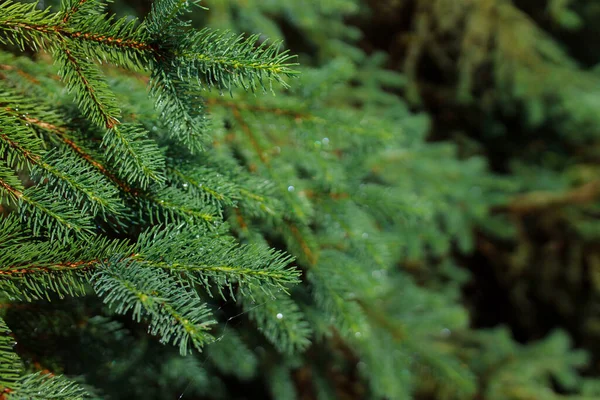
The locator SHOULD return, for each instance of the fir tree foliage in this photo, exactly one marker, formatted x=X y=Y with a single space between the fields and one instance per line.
x=293 y=243
x=74 y=179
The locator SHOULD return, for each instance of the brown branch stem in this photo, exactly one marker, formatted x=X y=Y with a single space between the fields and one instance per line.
x=534 y=202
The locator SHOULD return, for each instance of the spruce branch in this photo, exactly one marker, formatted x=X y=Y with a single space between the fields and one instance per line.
x=181 y=106
x=164 y=15
x=92 y=93
x=66 y=174
x=99 y=34
x=209 y=259
x=39 y=210
x=175 y=311
x=19 y=144
x=281 y=321
x=225 y=60
x=52 y=246
x=11 y=188
x=10 y=364
x=63 y=280
x=207 y=184
x=45 y=215
x=34 y=269
x=123 y=42
x=165 y=205
x=177 y=59
x=137 y=158
x=51 y=123
x=70 y=177
x=41 y=386
x=71 y=8
x=172 y=205
x=23 y=25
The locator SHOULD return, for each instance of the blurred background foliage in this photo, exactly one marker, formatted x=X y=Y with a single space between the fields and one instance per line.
x=512 y=88
x=516 y=82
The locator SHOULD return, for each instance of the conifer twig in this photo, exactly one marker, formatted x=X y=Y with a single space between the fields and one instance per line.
x=538 y=201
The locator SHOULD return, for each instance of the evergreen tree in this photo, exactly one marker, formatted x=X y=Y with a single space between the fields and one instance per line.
x=517 y=82
x=167 y=231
